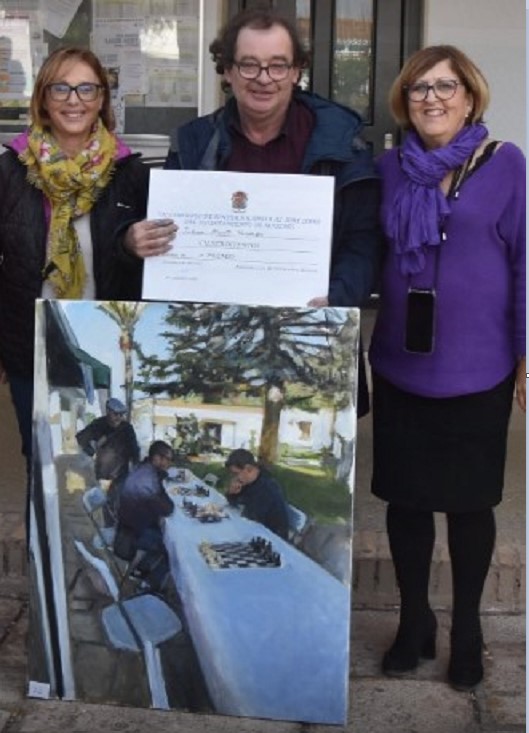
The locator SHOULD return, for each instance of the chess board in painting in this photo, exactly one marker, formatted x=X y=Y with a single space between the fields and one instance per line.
x=258 y=553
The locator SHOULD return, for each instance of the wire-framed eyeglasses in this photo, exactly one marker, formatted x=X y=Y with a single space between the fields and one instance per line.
x=442 y=88
x=252 y=70
x=86 y=92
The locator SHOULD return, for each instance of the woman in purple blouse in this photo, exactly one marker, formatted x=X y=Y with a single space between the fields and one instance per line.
x=448 y=347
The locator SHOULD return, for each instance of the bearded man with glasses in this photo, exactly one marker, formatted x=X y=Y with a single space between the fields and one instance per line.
x=269 y=125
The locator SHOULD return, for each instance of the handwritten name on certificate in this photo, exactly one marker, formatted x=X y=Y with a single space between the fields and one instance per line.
x=246 y=238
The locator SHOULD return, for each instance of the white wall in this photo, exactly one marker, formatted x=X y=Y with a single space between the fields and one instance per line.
x=492 y=34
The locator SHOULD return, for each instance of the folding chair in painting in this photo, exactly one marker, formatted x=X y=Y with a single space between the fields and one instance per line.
x=297 y=524
x=140 y=623
x=94 y=502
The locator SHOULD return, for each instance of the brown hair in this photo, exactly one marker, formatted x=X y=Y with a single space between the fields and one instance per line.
x=222 y=49
x=48 y=74
x=423 y=60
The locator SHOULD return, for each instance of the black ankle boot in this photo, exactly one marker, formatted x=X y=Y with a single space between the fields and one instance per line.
x=465 y=669
x=408 y=647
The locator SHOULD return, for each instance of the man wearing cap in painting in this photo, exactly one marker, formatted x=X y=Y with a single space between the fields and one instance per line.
x=111 y=439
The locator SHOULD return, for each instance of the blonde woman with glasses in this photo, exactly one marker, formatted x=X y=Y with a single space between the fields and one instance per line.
x=72 y=200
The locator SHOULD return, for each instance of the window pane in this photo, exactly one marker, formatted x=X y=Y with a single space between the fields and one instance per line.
x=352 y=69
x=303 y=22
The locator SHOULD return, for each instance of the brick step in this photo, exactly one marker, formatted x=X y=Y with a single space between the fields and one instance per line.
x=374 y=583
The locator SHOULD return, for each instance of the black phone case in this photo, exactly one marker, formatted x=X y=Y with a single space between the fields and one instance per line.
x=420 y=316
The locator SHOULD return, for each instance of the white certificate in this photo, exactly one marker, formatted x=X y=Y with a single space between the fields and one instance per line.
x=246 y=238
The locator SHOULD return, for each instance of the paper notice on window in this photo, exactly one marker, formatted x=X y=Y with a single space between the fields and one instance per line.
x=117 y=44
x=172 y=87
x=246 y=238
x=117 y=9
x=58 y=14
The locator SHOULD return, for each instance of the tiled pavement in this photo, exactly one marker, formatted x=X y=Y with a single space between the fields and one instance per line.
x=422 y=702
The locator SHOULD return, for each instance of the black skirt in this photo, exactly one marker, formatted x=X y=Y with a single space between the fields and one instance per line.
x=442 y=455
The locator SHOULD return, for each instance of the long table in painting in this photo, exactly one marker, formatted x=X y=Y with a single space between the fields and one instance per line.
x=272 y=642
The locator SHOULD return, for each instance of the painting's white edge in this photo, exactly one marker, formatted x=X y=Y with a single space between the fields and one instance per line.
x=51 y=502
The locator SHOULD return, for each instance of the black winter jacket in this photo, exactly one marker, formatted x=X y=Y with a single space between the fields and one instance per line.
x=23 y=234
x=263 y=501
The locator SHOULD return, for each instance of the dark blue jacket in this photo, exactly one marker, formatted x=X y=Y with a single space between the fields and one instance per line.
x=263 y=501
x=143 y=500
x=334 y=148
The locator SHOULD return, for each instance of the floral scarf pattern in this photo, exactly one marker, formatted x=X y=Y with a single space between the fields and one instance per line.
x=71 y=185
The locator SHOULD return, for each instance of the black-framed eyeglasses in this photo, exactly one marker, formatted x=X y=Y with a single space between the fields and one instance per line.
x=252 y=70
x=442 y=88
x=86 y=92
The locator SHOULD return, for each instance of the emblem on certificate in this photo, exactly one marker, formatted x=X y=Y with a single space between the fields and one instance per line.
x=239 y=200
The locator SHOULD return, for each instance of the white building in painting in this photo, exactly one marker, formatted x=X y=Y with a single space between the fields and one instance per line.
x=240 y=426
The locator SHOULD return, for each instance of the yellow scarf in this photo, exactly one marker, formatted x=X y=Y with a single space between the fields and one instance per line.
x=71 y=185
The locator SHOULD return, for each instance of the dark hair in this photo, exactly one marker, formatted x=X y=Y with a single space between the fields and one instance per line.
x=222 y=49
x=48 y=74
x=423 y=60
x=240 y=457
x=160 y=448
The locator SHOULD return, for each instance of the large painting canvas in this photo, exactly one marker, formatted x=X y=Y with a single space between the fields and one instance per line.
x=246 y=622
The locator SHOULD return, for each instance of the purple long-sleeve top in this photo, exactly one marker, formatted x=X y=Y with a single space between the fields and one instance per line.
x=480 y=286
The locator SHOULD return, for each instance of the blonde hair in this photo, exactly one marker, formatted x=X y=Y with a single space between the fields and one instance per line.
x=423 y=60
x=48 y=74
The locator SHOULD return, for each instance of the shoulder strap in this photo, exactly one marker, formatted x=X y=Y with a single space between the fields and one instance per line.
x=473 y=164
x=483 y=154
x=209 y=159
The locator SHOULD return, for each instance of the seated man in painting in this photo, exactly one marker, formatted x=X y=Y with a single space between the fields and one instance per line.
x=143 y=503
x=254 y=489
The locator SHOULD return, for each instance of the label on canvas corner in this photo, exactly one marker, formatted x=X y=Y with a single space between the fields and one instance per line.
x=39 y=689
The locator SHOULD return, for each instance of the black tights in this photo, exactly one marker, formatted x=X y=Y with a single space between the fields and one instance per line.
x=471 y=537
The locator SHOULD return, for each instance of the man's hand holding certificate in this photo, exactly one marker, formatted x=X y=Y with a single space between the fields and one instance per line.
x=247 y=238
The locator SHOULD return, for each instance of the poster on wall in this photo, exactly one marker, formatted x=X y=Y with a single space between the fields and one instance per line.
x=193 y=507
x=150 y=49
x=156 y=52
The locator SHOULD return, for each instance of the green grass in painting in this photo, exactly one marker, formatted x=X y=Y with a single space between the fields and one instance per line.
x=321 y=497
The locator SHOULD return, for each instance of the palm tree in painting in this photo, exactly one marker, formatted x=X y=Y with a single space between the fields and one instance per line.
x=126 y=315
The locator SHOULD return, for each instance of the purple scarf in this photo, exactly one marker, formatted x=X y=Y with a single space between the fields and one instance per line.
x=419 y=208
